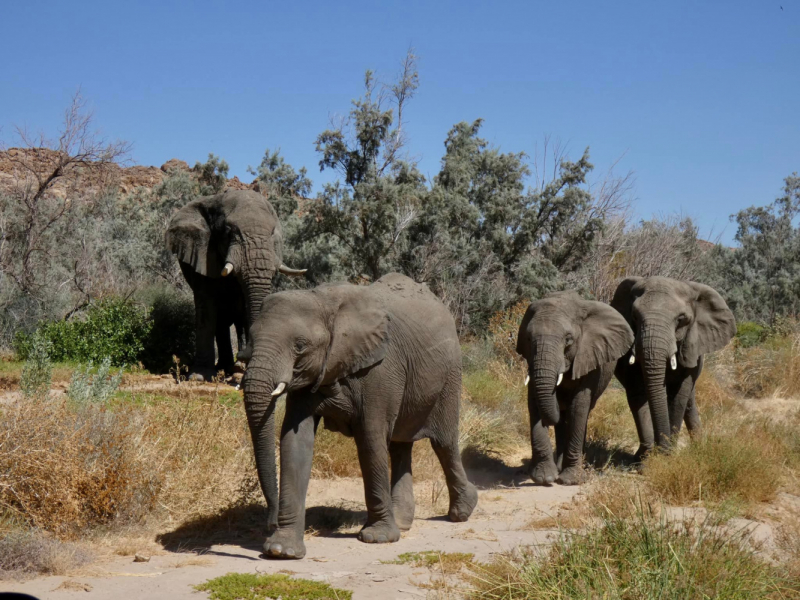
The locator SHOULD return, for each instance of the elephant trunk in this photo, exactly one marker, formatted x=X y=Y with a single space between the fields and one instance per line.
x=656 y=345
x=256 y=288
x=260 y=408
x=545 y=369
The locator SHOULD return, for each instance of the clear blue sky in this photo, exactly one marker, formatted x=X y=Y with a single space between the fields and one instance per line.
x=701 y=98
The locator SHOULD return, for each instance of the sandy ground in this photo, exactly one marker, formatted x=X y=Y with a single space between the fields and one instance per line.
x=497 y=525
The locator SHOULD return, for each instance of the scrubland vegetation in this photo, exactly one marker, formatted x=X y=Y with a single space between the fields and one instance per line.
x=91 y=456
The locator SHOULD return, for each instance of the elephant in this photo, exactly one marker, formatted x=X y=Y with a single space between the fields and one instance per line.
x=675 y=323
x=379 y=363
x=571 y=346
x=235 y=232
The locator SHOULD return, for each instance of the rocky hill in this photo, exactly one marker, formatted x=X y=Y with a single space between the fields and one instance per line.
x=16 y=165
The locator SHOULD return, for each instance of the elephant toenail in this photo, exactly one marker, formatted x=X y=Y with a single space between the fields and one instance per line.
x=275 y=549
x=381 y=539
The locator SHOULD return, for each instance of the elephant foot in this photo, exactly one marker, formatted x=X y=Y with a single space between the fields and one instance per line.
x=381 y=532
x=285 y=543
x=403 y=509
x=642 y=452
x=572 y=476
x=544 y=472
x=463 y=504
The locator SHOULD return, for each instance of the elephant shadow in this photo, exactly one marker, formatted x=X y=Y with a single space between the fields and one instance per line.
x=244 y=526
x=487 y=471
x=600 y=456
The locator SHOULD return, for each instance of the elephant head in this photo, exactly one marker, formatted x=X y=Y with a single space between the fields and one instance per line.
x=564 y=335
x=232 y=233
x=306 y=340
x=675 y=323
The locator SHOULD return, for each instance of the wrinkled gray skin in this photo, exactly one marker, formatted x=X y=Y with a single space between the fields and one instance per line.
x=380 y=363
x=239 y=228
x=581 y=340
x=669 y=318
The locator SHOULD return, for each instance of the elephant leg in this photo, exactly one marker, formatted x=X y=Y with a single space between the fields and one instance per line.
x=373 y=449
x=463 y=495
x=572 y=472
x=224 y=349
x=238 y=322
x=402 y=484
x=692 y=417
x=543 y=467
x=682 y=403
x=205 y=326
x=297 y=450
x=561 y=431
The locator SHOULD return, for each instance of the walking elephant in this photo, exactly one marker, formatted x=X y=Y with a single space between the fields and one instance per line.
x=232 y=233
x=675 y=323
x=380 y=363
x=571 y=346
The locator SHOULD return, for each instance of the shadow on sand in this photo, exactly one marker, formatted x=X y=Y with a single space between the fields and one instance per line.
x=245 y=526
x=487 y=471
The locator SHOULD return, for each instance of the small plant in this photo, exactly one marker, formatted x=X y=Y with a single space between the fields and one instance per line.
x=250 y=586
x=447 y=562
x=85 y=387
x=38 y=370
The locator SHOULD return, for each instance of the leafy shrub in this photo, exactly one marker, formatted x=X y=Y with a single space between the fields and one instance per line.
x=38 y=370
x=172 y=332
x=83 y=387
x=114 y=328
x=748 y=333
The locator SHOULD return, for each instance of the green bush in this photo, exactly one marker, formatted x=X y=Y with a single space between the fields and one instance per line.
x=749 y=334
x=115 y=329
x=172 y=332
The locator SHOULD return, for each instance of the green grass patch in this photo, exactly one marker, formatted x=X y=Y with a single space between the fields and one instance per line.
x=249 y=586
x=637 y=558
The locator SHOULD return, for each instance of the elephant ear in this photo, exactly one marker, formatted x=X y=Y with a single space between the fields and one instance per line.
x=523 y=342
x=713 y=326
x=605 y=336
x=189 y=237
x=623 y=298
x=359 y=335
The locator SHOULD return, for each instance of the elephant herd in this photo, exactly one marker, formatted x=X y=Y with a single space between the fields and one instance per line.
x=382 y=364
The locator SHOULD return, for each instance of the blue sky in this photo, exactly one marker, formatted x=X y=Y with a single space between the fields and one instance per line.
x=700 y=99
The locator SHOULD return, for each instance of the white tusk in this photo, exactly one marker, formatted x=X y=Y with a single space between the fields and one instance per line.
x=289 y=271
x=560 y=377
x=279 y=390
x=673 y=362
x=632 y=359
x=527 y=379
x=227 y=269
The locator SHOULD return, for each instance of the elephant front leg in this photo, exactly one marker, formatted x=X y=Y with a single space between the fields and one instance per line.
x=682 y=402
x=543 y=467
x=562 y=434
x=297 y=450
x=205 y=327
x=402 y=484
x=572 y=472
x=224 y=348
x=373 y=450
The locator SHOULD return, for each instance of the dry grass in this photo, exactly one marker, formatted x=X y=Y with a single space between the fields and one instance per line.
x=770 y=369
x=26 y=553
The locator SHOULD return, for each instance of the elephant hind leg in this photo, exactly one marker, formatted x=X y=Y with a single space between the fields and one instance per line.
x=402 y=484
x=463 y=495
x=691 y=417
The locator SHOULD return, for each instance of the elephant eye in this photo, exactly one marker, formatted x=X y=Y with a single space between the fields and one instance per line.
x=300 y=345
x=568 y=341
x=683 y=319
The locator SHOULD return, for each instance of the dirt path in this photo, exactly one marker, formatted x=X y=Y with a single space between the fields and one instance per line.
x=498 y=524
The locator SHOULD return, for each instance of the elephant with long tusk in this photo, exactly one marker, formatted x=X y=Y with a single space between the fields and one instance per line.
x=230 y=247
x=571 y=346
x=676 y=323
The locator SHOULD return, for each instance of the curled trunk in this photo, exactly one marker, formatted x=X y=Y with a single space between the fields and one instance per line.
x=544 y=375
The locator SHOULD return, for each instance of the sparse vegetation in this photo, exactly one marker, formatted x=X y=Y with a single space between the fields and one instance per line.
x=240 y=586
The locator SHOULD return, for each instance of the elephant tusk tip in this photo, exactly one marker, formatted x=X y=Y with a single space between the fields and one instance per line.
x=227 y=269
x=289 y=271
x=673 y=362
x=632 y=359
x=560 y=378
x=279 y=390
x=527 y=379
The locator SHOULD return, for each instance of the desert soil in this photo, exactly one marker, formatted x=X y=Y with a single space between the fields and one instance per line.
x=507 y=503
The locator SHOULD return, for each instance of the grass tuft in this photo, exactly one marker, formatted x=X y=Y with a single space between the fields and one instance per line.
x=249 y=586
x=641 y=556
x=26 y=553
